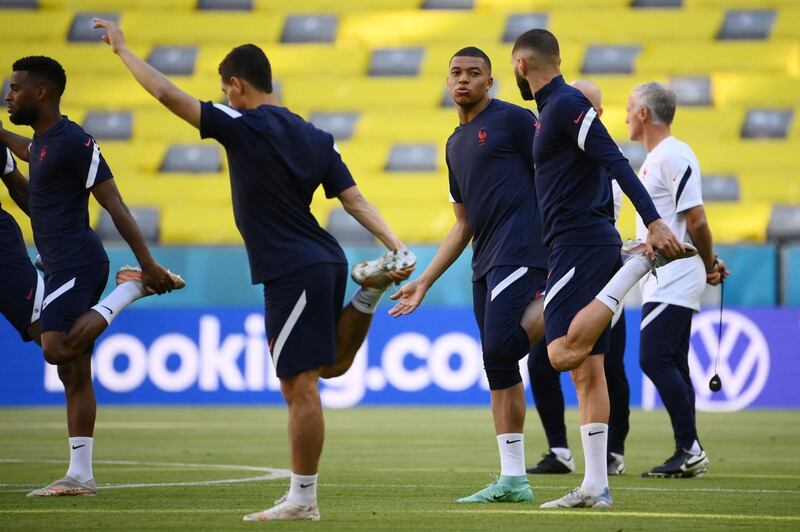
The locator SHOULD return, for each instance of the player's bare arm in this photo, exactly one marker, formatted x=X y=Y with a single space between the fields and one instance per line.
x=411 y=294
x=700 y=232
x=153 y=81
x=359 y=208
x=154 y=276
x=16 y=143
x=17 y=187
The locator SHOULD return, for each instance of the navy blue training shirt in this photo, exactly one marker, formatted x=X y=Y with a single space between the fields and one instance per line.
x=276 y=161
x=64 y=164
x=12 y=247
x=571 y=150
x=491 y=172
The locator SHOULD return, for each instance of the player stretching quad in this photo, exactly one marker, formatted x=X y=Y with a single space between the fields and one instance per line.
x=671 y=175
x=65 y=166
x=491 y=187
x=276 y=161
x=570 y=150
x=546 y=382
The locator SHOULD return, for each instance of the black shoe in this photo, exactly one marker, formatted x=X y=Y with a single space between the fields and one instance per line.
x=682 y=464
x=552 y=464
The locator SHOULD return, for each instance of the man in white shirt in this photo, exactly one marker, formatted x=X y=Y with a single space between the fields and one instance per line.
x=671 y=175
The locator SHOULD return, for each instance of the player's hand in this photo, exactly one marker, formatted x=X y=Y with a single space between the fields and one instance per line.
x=157 y=278
x=718 y=273
x=408 y=299
x=113 y=36
x=661 y=238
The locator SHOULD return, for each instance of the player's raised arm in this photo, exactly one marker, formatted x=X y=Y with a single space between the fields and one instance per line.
x=153 y=81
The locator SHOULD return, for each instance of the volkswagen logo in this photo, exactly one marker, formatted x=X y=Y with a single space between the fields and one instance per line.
x=743 y=360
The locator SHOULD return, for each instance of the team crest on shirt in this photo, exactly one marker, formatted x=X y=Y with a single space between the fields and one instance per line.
x=538 y=126
x=482 y=136
x=42 y=153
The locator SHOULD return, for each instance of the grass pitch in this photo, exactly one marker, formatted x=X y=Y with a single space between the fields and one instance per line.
x=384 y=468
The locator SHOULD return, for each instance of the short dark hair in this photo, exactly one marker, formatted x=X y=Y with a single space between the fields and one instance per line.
x=472 y=51
x=43 y=69
x=540 y=41
x=250 y=63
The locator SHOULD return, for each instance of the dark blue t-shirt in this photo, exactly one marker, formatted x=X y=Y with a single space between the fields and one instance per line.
x=276 y=161
x=12 y=247
x=65 y=164
x=571 y=150
x=491 y=173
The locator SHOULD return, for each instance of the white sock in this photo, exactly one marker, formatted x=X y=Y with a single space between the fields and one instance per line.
x=562 y=452
x=122 y=296
x=80 y=458
x=614 y=292
x=512 y=454
x=595 y=441
x=695 y=449
x=366 y=299
x=303 y=489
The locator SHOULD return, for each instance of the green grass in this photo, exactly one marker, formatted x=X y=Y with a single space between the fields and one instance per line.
x=386 y=468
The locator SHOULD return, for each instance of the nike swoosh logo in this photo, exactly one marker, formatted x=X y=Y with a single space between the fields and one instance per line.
x=28 y=297
x=108 y=309
x=615 y=299
x=579 y=118
x=89 y=142
x=497 y=497
x=306 y=485
x=512 y=441
x=78 y=446
x=595 y=433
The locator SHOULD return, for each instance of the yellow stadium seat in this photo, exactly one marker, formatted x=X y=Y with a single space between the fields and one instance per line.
x=635 y=26
x=685 y=58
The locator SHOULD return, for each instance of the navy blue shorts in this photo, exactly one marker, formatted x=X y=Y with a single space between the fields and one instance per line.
x=70 y=293
x=577 y=274
x=302 y=309
x=21 y=294
x=499 y=300
x=665 y=331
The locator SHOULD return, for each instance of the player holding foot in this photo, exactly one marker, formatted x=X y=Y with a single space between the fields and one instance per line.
x=491 y=187
x=671 y=175
x=546 y=381
x=277 y=160
x=571 y=150
x=65 y=167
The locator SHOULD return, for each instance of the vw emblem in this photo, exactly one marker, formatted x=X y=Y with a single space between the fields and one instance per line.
x=743 y=360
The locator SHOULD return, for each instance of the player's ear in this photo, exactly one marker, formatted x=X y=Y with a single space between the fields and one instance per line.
x=40 y=92
x=489 y=82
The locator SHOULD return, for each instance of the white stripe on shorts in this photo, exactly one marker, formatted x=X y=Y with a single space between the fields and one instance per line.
x=37 y=299
x=286 y=330
x=58 y=292
x=9 y=163
x=558 y=286
x=508 y=281
x=653 y=315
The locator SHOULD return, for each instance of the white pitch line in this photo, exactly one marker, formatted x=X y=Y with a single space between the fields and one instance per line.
x=611 y=513
x=271 y=473
x=642 y=489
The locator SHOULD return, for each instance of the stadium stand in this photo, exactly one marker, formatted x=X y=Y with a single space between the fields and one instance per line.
x=373 y=71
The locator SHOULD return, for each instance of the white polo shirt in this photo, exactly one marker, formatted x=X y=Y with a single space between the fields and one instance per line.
x=671 y=175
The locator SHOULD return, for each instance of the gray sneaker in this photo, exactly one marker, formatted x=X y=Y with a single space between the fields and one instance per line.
x=636 y=248
x=67 y=486
x=578 y=498
x=616 y=464
x=372 y=273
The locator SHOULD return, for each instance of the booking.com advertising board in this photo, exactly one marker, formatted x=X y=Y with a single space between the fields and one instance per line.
x=433 y=357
